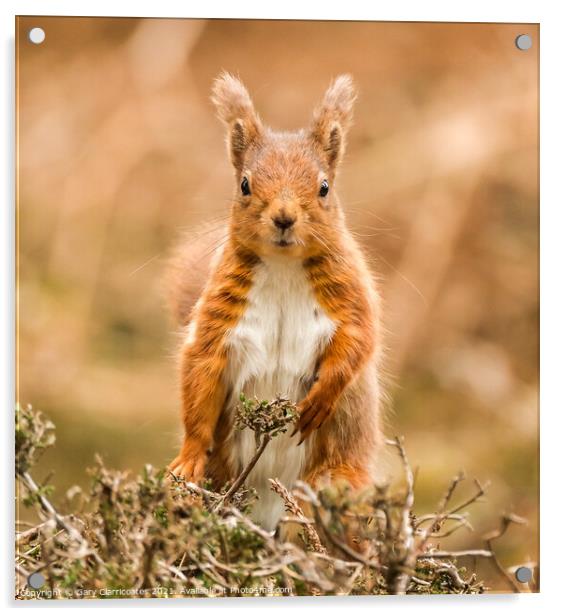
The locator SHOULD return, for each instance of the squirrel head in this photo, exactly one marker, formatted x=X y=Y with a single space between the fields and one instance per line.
x=284 y=197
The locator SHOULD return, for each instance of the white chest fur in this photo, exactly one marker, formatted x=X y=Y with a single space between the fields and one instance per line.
x=273 y=351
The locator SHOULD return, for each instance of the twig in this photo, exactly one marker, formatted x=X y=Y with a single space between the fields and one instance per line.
x=341 y=545
x=22 y=571
x=193 y=487
x=450 y=491
x=33 y=532
x=407 y=564
x=237 y=483
x=455 y=554
x=175 y=570
x=462 y=524
x=480 y=492
x=451 y=571
x=60 y=521
x=292 y=506
x=506 y=521
x=432 y=516
x=417 y=580
x=309 y=572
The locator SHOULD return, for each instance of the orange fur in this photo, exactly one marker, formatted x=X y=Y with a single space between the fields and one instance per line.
x=340 y=412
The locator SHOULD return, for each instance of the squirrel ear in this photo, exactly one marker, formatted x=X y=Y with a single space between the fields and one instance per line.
x=235 y=109
x=332 y=118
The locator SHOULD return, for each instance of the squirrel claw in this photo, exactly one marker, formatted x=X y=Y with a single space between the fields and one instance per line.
x=310 y=419
x=189 y=468
x=306 y=432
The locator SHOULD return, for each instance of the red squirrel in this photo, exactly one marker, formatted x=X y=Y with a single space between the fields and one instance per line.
x=289 y=308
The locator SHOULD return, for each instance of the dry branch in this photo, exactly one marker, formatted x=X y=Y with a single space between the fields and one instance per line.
x=184 y=539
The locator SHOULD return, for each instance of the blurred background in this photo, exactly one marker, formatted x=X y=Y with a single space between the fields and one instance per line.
x=119 y=152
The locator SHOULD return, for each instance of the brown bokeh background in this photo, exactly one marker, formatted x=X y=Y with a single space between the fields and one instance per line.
x=119 y=151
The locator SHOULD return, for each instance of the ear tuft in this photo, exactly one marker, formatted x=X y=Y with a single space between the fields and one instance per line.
x=332 y=119
x=235 y=109
x=338 y=101
x=230 y=98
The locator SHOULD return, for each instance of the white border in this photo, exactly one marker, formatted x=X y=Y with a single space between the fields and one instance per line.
x=411 y=10
x=547 y=13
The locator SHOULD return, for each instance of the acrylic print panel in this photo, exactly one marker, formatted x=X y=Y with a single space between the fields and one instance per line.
x=365 y=254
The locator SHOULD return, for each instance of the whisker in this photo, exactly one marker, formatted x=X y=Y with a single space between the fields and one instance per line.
x=145 y=264
x=213 y=249
x=379 y=234
x=405 y=278
x=363 y=211
x=320 y=240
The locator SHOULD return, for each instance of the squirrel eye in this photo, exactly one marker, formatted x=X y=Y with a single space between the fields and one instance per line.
x=323 y=192
x=245 y=187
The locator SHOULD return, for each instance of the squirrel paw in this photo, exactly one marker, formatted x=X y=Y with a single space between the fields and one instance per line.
x=311 y=417
x=189 y=463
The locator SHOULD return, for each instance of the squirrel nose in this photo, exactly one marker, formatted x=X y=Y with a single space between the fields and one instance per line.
x=283 y=222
